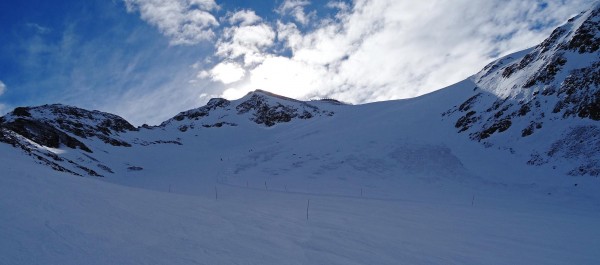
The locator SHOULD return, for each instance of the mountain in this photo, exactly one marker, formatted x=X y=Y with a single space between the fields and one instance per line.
x=261 y=107
x=539 y=106
x=544 y=101
x=42 y=131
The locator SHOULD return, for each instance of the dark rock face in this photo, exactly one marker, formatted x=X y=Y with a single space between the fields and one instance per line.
x=52 y=123
x=266 y=109
x=464 y=123
x=500 y=126
x=580 y=142
x=586 y=38
x=196 y=114
x=508 y=71
x=269 y=114
x=43 y=157
x=579 y=94
x=219 y=125
x=84 y=123
x=22 y=112
x=576 y=95
x=43 y=134
x=548 y=73
x=57 y=126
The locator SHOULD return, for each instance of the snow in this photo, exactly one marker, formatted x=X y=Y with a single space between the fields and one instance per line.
x=52 y=218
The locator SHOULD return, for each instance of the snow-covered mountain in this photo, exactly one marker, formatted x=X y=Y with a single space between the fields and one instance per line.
x=41 y=131
x=47 y=132
x=261 y=107
x=544 y=101
x=541 y=105
x=500 y=168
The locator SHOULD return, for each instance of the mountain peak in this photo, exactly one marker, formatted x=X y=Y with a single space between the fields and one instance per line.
x=258 y=106
x=532 y=92
x=574 y=45
x=267 y=94
x=55 y=124
x=51 y=112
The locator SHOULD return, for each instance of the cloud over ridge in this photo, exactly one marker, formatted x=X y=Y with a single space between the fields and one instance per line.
x=356 y=51
x=373 y=50
x=2 y=87
x=183 y=21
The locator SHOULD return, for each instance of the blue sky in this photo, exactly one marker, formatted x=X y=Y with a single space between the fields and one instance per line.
x=146 y=60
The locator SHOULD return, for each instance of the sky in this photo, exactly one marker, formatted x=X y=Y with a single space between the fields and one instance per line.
x=147 y=60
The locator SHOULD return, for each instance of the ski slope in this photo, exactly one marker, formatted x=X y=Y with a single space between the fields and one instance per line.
x=53 y=218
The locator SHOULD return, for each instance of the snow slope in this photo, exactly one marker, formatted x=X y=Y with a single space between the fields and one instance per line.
x=54 y=218
x=543 y=103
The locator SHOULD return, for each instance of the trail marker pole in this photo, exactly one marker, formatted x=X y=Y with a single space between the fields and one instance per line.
x=473 y=200
x=216 y=194
x=266 y=186
x=307 y=206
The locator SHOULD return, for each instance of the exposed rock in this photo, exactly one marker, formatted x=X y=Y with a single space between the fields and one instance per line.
x=219 y=125
x=204 y=111
x=270 y=113
x=43 y=134
x=550 y=84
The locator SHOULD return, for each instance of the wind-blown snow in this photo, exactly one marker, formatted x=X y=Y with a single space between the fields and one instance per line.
x=51 y=218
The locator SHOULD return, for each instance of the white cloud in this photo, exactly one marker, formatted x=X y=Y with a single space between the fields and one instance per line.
x=369 y=50
x=183 y=21
x=244 y=18
x=389 y=49
x=248 y=42
x=203 y=74
x=280 y=75
x=226 y=72
x=295 y=8
x=343 y=6
x=3 y=108
x=2 y=88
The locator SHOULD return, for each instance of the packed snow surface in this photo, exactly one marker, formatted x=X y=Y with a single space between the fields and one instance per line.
x=53 y=218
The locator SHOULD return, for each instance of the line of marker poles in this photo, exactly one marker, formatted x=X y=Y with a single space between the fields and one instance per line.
x=266 y=188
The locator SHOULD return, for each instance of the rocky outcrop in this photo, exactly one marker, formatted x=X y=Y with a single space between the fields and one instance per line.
x=36 y=129
x=519 y=95
x=56 y=124
x=269 y=112
x=262 y=107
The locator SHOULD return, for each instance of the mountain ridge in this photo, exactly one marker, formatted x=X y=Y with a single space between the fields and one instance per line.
x=551 y=89
x=534 y=104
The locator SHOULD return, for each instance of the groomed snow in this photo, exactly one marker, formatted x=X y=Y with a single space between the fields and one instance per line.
x=53 y=218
